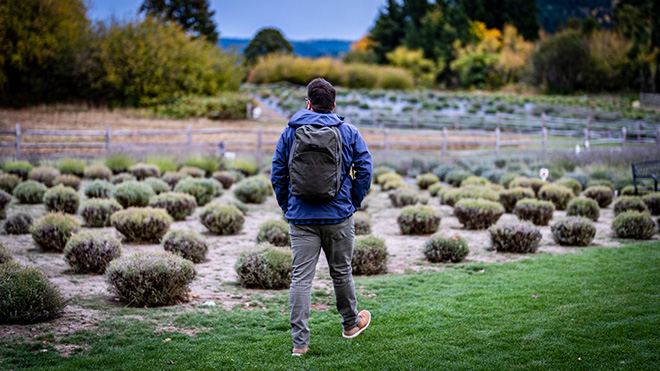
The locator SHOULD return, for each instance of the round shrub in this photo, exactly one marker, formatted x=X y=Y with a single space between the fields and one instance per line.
x=172 y=178
x=5 y=255
x=474 y=181
x=478 y=214
x=380 y=170
x=572 y=184
x=362 y=222
x=585 y=207
x=52 y=231
x=634 y=224
x=275 y=232
x=533 y=183
x=601 y=194
x=226 y=178
x=121 y=178
x=629 y=203
x=452 y=196
x=62 y=199
x=418 y=219
x=580 y=178
x=519 y=237
x=178 y=205
x=393 y=183
x=204 y=190
x=150 y=278
x=234 y=202
x=27 y=295
x=119 y=163
x=19 y=223
x=19 y=168
x=369 y=256
x=71 y=166
x=557 y=194
x=456 y=177
x=510 y=197
x=439 y=248
x=601 y=183
x=255 y=189
x=222 y=219
x=96 y=213
x=5 y=199
x=507 y=178
x=652 y=201
x=405 y=197
x=99 y=189
x=573 y=231
x=192 y=171
x=186 y=244
x=535 y=211
x=97 y=171
x=91 y=252
x=68 y=180
x=44 y=174
x=133 y=193
x=142 y=171
x=435 y=188
x=388 y=176
x=629 y=190
x=139 y=224
x=265 y=266
x=8 y=182
x=424 y=181
x=30 y=192
x=157 y=185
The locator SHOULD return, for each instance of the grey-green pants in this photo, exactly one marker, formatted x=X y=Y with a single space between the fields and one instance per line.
x=336 y=240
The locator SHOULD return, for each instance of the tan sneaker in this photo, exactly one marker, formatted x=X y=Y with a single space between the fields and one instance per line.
x=299 y=351
x=364 y=319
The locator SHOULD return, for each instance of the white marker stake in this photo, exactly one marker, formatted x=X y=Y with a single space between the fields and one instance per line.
x=544 y=173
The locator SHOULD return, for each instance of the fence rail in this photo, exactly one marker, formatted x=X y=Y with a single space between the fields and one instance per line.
x=258 y=141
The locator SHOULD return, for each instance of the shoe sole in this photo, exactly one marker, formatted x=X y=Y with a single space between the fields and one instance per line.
x=357 y=333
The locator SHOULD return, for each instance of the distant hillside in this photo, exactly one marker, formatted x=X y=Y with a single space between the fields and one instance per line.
x=310 y=48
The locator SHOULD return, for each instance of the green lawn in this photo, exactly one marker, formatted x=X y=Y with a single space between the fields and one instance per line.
x=595 y=309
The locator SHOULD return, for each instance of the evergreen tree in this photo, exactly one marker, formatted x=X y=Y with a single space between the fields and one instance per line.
x=388 y=31
x=496 y=13
x=266 y=41
x=193 y=15
x=414 y=11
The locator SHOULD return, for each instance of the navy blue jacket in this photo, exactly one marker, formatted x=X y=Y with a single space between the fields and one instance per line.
x=353 y=190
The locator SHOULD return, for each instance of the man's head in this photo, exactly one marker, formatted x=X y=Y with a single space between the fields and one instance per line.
x=321 y=95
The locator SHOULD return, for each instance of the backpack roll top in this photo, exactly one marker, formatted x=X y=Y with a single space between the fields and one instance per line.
x=315 y=163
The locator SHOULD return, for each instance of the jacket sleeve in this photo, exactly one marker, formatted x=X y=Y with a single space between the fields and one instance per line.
x=279 y=173
x=362 y=168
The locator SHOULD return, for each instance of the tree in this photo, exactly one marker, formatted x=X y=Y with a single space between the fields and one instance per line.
x=414 y=11
x=192 y=15
x=476 y=62
x=41 y=44
x=266 y=41
x=388 y=31
x=496 y=13
x=423 y=70
x=561 y=62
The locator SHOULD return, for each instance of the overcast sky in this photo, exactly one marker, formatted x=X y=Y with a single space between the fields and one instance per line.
x=297 y=19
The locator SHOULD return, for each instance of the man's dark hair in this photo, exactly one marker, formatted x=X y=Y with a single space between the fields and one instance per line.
x=321 y=94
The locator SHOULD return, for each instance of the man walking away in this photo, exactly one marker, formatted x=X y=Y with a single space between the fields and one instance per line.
x=311 y=176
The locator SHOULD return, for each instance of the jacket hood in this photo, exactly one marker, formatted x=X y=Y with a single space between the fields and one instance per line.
x=306 y=117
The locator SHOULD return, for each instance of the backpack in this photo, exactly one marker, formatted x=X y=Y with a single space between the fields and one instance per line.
x=315 y=163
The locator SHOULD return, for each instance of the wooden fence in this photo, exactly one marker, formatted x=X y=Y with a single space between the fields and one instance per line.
x=96 y=143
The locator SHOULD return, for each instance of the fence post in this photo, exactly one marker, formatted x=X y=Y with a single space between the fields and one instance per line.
x=499 y=120
x=456 y=121
x=586 y=138
x=543 y=120
x=544 y=140
x=375 y=118
x=18 y=141
x=415 y=118
x=639 y=131
x=623 y=137
x=444 y=141
x=657 y=137
x=189 y=138
x=248 y=114
x=386 y=140
x=497 y=142
x=259 y=145
x=108 y=135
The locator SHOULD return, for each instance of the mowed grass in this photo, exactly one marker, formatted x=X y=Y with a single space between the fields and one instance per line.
x=596 y=309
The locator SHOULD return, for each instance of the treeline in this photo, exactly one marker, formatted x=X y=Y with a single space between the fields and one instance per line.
x=51 y=52
x=491 y=43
